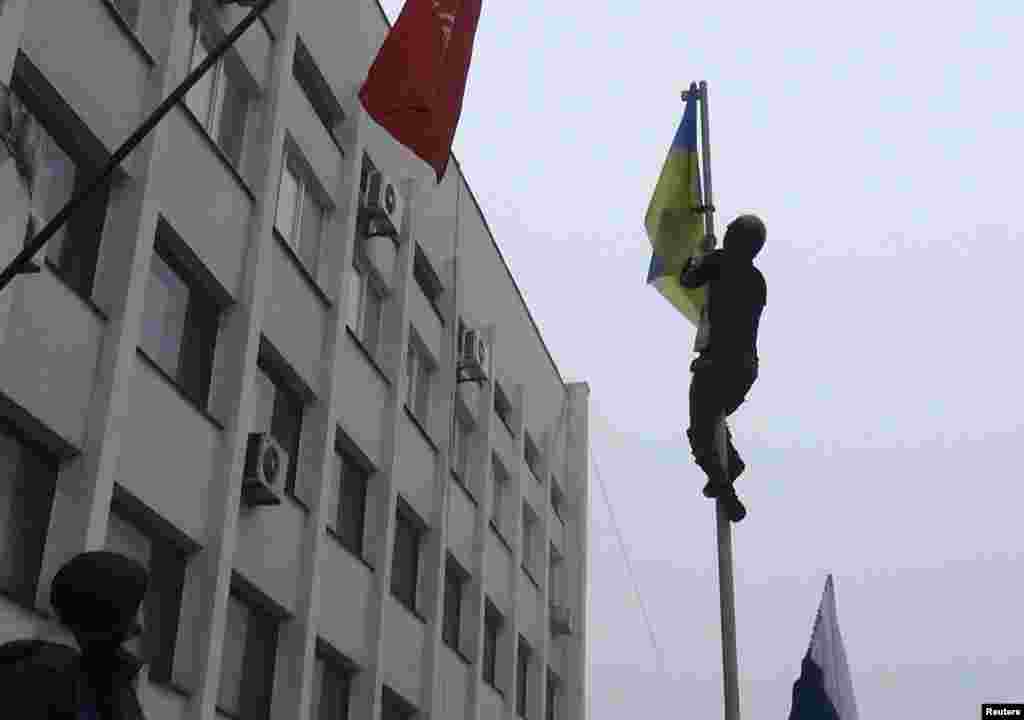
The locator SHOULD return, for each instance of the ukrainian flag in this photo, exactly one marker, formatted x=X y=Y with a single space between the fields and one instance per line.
x=674 y=225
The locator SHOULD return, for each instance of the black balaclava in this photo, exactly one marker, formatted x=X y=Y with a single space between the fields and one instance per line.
x=744 y=237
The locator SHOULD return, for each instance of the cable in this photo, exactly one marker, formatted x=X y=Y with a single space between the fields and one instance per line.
x=629 y=567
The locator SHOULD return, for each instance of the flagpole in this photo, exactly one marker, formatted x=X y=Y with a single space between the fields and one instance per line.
x=726 y=593
x=23 y=260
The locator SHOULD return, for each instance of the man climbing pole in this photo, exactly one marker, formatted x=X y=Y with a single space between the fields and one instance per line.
x=727 y=365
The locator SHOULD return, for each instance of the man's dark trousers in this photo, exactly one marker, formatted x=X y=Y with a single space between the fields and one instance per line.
x=719 y=386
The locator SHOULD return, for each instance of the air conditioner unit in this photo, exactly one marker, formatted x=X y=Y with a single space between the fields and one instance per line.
x=561 y=620
x=473 y=361
x=266 y=464
x=382 y=205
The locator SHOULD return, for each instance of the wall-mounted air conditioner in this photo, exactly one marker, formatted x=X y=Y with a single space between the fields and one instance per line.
x=266 y=465
x=473 y=359
x=380 y=205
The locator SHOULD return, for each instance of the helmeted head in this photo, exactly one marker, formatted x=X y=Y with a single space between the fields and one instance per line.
x=745 y=236
x=97 y=596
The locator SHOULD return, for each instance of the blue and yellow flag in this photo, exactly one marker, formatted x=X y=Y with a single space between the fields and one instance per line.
x=674 y=224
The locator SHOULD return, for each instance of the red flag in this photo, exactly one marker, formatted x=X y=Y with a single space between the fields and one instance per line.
x=414 y=88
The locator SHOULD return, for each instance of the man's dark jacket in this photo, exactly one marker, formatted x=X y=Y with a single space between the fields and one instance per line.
x=739 y=294
x=41 y=680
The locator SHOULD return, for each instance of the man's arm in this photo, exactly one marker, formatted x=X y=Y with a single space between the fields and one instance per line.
x=700 y=270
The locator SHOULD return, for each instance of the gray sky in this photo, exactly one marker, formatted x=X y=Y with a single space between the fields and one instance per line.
x=881 y=144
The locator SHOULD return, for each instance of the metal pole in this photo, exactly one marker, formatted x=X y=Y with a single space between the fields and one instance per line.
x=22 y=260
x=726 y=595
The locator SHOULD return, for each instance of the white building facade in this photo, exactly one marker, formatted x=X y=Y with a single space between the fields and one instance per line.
x=239 y=363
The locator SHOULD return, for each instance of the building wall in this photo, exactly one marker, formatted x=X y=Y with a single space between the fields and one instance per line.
x=72 y=376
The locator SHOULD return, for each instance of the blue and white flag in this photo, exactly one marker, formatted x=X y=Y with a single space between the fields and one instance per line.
x=824 y=690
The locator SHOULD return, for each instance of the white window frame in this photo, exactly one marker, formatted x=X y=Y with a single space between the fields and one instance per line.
x=363 y=286
x=218 y=77
x=419 y=375
x=305 y=192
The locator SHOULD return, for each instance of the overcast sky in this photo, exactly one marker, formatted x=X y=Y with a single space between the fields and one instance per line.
x=882 y=145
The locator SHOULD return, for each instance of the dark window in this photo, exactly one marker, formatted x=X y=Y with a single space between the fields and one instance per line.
x=180 y=321
x=503 y=407
x=531 y=529
x=493 y=622
x=160 y=611
x=332 y=691
x=348 y=516
x=61 y=158
x=287 y=409
x=557 y=499
x=553 y=695
x=455 y=578
x=428 y=282
x=522 y=676
x=394 y=707
x=500 y=490
x=532 y=456
x=247 y=662
x=317 y=90
x=27 y=482
x=555 y=570
x=405 y=569
x=461 y=432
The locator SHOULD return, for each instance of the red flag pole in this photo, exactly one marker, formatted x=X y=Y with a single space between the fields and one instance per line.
x=22 y=262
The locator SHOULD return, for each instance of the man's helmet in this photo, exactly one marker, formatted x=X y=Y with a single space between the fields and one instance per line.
x=745 y=236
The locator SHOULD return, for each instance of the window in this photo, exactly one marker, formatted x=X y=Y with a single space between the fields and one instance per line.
x=347 y=514
x=58 y=165
x=555 y=569
x=180 y=320
x=455 y=579
x=419 y=373
x=301 y=214
x=501 y=481
x=522 y=676
x=129 y=11
x=428 y=282
x=220 y=99
x=531 y=528
x=365 y=309
x=160 y=610
x=394 y=707
x=557 y=499
x=503 y=407
x=284 y=419
x=460 y=448
x=317 y=91
x=247 y=662
x=493 y=622
x=332 y=687
x=553 y=696
x=532 y=456
x=27 y=482
x=409 y=531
